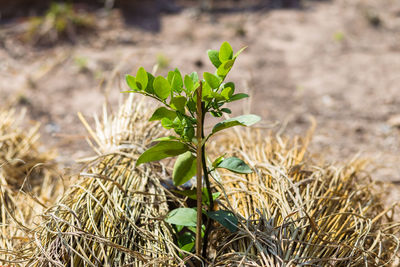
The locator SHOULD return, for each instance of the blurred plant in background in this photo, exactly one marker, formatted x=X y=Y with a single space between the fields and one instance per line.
x=162 y=61
x=60 y=22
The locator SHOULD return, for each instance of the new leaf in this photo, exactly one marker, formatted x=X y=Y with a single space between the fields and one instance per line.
x=225 y=67
x=225 y=52
x=214 y=57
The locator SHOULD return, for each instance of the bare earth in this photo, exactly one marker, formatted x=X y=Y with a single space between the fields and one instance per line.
x=327 y=61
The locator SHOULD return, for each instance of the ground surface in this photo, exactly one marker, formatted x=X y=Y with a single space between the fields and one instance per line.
x=327 y=60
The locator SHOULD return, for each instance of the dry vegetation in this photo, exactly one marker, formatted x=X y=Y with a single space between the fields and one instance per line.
x=292 y=210
x=300 y=213
x=28 y=181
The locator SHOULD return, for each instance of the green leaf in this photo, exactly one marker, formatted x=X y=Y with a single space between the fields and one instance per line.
x=238 y=97
x=216 y=195
x=177 y=121
x=234 y=165
x=178 y=103
x=225 y=218
x=162 y=150
x=166 y=138
x=194 y=76
x=239 y=52
x=217 y=161
x=218 y=96
x=212 y=80
x=207 y=92
x=161 y=113
x=225 y=67
x=243 y=120
x=188 y=133
x=131 y=81
x=177 y=83
x=186 y=241
x=191 y=104
x=184 y=168
x=179 y=228
x=193 y=229
x=227 y=92
x=167 y=123
x=226 y=110
x=214 y=57
x=216 y=114
x=149 y=88
x=170 y=76
x=141 y=78
x=206 y=197
x=162 y=87
x=230 y=84
x=182 y=216
x=225 y=52
x=189 y=83
x=178 y=126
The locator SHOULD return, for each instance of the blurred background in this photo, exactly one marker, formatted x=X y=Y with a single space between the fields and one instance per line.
x=338 y=61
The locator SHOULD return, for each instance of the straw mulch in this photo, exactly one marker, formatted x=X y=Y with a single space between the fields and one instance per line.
x=27 y=184
x=293 y=211
x=297 y=213
x=12 y=220
x=114 y=215
x=21 y=160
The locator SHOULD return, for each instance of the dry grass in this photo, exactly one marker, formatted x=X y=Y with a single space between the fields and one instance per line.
x=21 y=160
x=292 y=211
x=296 y=213
x=114 y=215
x=27 y=184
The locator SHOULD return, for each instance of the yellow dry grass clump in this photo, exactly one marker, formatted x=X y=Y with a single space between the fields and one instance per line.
x=20 y=156
x=113 y=215
x=27 y=184
x=297 y=213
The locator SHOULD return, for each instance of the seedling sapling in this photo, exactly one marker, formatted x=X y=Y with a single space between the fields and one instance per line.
x=185 y=103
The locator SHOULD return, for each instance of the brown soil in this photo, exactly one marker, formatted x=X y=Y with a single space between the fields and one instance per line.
x=329 y=60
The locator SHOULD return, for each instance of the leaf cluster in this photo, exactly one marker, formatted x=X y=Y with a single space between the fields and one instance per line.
x=177 y=93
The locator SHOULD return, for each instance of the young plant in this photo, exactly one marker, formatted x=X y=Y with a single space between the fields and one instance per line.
x=186 y=100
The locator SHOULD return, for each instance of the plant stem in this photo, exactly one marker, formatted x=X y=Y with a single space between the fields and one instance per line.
x=205 y=170
x=199 y=168
x=208 y=187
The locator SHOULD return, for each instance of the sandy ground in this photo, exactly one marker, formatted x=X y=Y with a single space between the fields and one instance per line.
x=327 y=60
